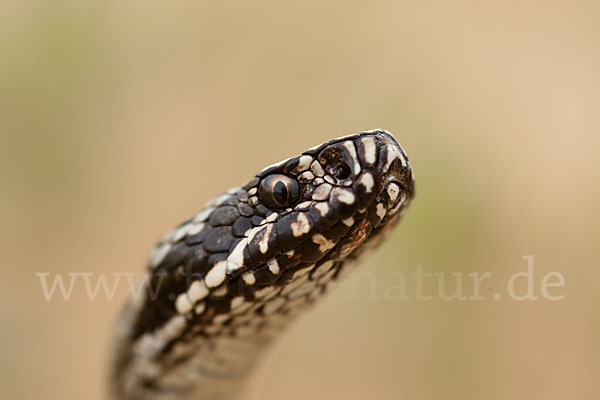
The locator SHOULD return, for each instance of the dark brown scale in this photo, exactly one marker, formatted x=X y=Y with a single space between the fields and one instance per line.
x=153 y=314
x=321 y=222
x=241 y=225
x=220 y=304
x=242 y=195
x=338 y=231
x=261 y=210
x=285 y=234
x=176 y=255
x=337 y=161
x=373 y=218
x=307 y=192
x=291 y=166
x=152 y=317
x=342 y=209
x=238 y=287
x=310 y=252
x=219 y=239
x=286 y=276
x=245 y=210
x=288 y=261
x=224 y=215
x=197 y=263
x=364 y=198
x=198 y=237
x=264 y=276
x=251 y=183
x=257 y=257
x=215 y=258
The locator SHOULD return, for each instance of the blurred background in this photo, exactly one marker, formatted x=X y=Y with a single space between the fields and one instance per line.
x=120 y=119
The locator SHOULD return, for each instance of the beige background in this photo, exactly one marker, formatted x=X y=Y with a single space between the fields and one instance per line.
x=118 y=119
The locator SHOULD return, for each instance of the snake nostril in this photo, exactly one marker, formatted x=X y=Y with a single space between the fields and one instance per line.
x=391 y=194
x=341 y=171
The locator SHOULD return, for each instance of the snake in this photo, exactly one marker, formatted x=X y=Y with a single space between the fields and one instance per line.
x=224 y=283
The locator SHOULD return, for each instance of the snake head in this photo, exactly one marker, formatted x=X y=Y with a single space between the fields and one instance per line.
x=338 y=194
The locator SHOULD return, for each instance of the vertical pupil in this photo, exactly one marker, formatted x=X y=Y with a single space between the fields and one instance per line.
x=280 y=193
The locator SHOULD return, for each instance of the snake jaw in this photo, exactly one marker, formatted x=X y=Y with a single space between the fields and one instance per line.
x=241 y=268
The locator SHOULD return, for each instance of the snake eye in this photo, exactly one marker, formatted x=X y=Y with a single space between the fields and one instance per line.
x=278 y=191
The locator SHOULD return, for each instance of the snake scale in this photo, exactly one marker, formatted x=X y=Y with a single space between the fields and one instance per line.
x=222 y=285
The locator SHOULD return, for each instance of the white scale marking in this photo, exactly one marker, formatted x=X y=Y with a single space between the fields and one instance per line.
x=216 y=275
x=180 y=233
x=200 y=308
x=304 y=204
x=322 y=192
x=237 y=302
x=183 y=304
x=219 y=200
x=173 y=328
x=203 y=215
x=380 y=210
x=219 y=319
x=301 y=272
x=322 y=269
x=303 y=164
x=273 y=266
x=366 y=180
x=399 y=204
x=349 y=145
x=194 y=229
x=263 y=245
x=344 y=195
x=317 y=169
x=159 y=253
x=264 y=292
x=301 y=226
x=249 y=278
x=327 y=277
x=243 y=308
x=293 y=285
x=348 y=221
x=324 y=243
x=220 y=291
x=272 y=217
x=235 y=260
x=329 y=179
x=274 y=305
x=306 y=177
x=323 y=208
x=303 y=290
x=393 y=190
x=393 y=153
x=369 y=146
x=197 y=291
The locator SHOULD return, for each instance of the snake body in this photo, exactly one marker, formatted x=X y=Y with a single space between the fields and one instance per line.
x=223 y=284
